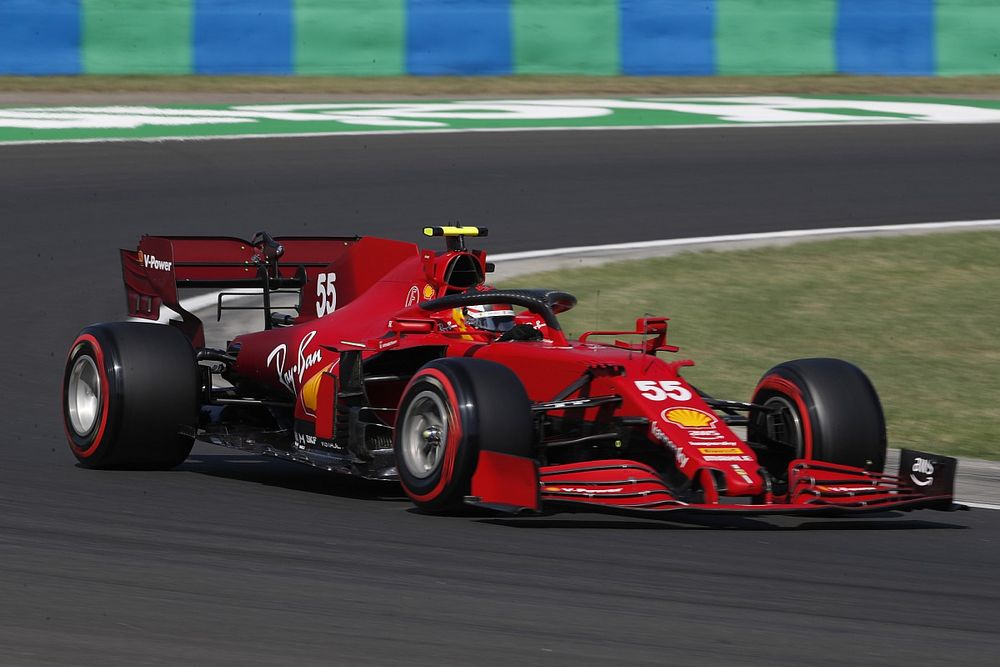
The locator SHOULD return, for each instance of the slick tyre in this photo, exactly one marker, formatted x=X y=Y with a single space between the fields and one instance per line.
x=450 y=411
x=821 y=410
x=130 y=396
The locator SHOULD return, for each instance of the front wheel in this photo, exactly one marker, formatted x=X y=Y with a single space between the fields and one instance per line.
x=450 y=411
x=130 y=396
x=819 y=410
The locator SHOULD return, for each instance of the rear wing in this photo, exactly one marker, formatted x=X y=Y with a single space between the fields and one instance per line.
x=162 y=265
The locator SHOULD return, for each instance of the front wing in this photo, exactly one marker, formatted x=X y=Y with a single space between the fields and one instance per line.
x=924 y=481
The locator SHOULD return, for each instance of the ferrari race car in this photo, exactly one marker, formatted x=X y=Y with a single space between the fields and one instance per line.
x=396 y=362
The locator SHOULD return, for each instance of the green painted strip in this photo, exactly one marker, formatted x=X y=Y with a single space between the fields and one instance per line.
x=136 y=36
x=775 y=36
x=55 y=124
x=350 y=37
x=968 y=37
x=565 y=37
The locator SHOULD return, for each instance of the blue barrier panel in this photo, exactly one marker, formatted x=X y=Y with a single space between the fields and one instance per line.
x=243 y=36
x=39 y=37
x=886 y=37
x=668 y=37
x=458 y=37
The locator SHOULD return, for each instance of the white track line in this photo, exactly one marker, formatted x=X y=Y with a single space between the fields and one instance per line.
x=979 y=506
x=761 y=236
x=204 y=301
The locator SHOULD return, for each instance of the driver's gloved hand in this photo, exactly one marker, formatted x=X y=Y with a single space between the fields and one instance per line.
x=520 y=332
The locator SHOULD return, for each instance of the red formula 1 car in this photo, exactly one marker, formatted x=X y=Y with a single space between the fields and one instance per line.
x=400 y=364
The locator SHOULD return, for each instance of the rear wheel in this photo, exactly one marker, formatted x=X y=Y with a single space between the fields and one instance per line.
x=130 y=396
x=817 y=409
x=450 y=410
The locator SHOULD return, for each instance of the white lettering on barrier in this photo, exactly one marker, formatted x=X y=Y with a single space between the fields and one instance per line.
x=431 y=115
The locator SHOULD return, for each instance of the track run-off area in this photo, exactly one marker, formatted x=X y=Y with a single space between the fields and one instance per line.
x=237 y=559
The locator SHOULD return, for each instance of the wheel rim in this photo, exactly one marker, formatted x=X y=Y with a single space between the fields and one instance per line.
x=83 y=395
x=425 y=432
x=782 y=425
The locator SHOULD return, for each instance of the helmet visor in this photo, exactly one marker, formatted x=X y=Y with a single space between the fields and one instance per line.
x=497 y=318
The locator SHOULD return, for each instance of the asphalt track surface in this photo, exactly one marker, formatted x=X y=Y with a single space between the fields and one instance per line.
x=233 y=559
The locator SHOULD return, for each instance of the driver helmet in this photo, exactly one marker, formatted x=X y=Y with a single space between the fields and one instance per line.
x=494 y=317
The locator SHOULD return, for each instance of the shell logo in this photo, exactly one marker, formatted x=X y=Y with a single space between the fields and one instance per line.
x=689 y=417
x=428 y=292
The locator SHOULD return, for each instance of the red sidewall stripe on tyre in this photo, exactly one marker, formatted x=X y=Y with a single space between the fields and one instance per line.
x=454 y=436
x=790 y=389
x=105 y=393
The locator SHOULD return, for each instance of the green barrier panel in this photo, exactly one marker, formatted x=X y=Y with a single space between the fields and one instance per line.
x=968 y=37
x=565 y=36
x=775 y=36
x=136 y=36
x=350 y=37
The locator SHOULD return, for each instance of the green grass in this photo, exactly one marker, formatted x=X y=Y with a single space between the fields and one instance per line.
x=395 y=86
x=920 y=314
